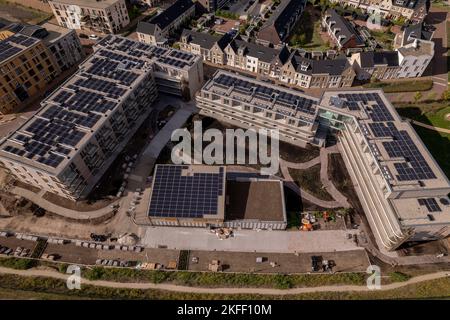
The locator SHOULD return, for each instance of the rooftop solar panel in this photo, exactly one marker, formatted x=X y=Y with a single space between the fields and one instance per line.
x=177 y=193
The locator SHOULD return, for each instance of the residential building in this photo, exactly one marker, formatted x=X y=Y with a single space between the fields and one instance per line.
x=412 y=32
x=278 y=26
x=374 y=64
x=408 y=61
x=104 y=16
x=63 y=43
x=212 y=5
x=280 y=64
x=414 y=58
x=342 y=33
x=306 y=72
x=202 y=196
x=401 y=188
x=66 y=147
x=412 y=10
x=158 y=28
x=26 y=67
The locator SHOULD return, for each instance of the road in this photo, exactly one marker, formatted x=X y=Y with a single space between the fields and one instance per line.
x=258 y=291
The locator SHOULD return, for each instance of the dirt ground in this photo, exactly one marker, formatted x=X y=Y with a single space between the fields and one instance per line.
x=20 y=13
x=346 y=261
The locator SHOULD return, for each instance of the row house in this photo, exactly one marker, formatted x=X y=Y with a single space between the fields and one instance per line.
x=157 y=29
x=412 y=10
x=342 y=33
x=413 y=53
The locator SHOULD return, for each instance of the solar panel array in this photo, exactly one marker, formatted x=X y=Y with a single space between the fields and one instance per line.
x=267 y=93
x=411 y=165
x=185 y=196
x=431 y=204
x=76 y=107
x=15 y=44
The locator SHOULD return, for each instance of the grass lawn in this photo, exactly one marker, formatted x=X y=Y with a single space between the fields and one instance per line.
x=401 y=86
x=306 y=33
x=309 y=180
x=17 y=13
x=41 y=288
x=438 y=144
x=383 y=38
x=431 y=113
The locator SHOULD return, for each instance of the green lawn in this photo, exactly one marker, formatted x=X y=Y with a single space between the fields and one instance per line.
x=306 y=33
x=383 y=38
x=15 y=287
x=402 y=86
x=309 y=180
x=431 y=113
x=438 y=144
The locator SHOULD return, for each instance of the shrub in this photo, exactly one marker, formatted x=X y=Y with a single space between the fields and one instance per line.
x=399 y=276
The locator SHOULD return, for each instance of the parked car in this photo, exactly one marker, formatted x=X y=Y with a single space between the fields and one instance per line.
x=316 y=262
x=93 y=37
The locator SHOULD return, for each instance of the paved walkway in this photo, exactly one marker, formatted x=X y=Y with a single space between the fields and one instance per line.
x=188 y=289
x=250 y=240
x=421 y=124
x=62 y=211
x=340 y=199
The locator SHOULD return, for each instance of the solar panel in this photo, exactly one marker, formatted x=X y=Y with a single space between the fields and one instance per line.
x=178 y=194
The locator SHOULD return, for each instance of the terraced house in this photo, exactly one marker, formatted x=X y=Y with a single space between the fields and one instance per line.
x=280 y=64
x=104 y=16
x=304 y=71
x=412 y=10
x=402 y=189
x=277 y=27
x=158 y=28
x=67 y=146
x=341 y=31
x=26 y=67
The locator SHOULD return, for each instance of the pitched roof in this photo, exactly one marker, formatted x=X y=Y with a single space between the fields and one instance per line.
x=345 y=28
x=204 y=40
x=416 y=31
x=309 y=66
x=172 y=13
x=261 y=52
x=369 y=59
x=274 y=29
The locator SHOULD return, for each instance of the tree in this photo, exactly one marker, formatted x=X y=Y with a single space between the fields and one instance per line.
x=417 y=96
x=446 y=95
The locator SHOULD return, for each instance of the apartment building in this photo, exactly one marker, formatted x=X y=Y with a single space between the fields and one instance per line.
x=158 y=28
x=413 y=53
x=210 y=47
x=342 y=33
x=412 y=10
x=26 y=67
x=66 y=147
x=402 y=190
x=251 y=103
x=212 y=5
x=104 y=16
x=277 y=27
x=63 y=43
x=304 y=71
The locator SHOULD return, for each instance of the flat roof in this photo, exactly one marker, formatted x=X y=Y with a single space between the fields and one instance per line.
x=100 y=4
x=14 y=45
x=261 y=200
x=287 y=102
x=189 y=192
x=78 y=108
x=404 y=160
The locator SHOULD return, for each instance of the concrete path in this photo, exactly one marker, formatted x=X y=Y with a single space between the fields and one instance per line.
x=340 y=199
x=421 y=124
x=187 y=289
x=62 y=211
x=250 y=240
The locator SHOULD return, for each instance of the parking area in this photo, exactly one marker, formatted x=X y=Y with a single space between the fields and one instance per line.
x=13 y=243
x=347 y=261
